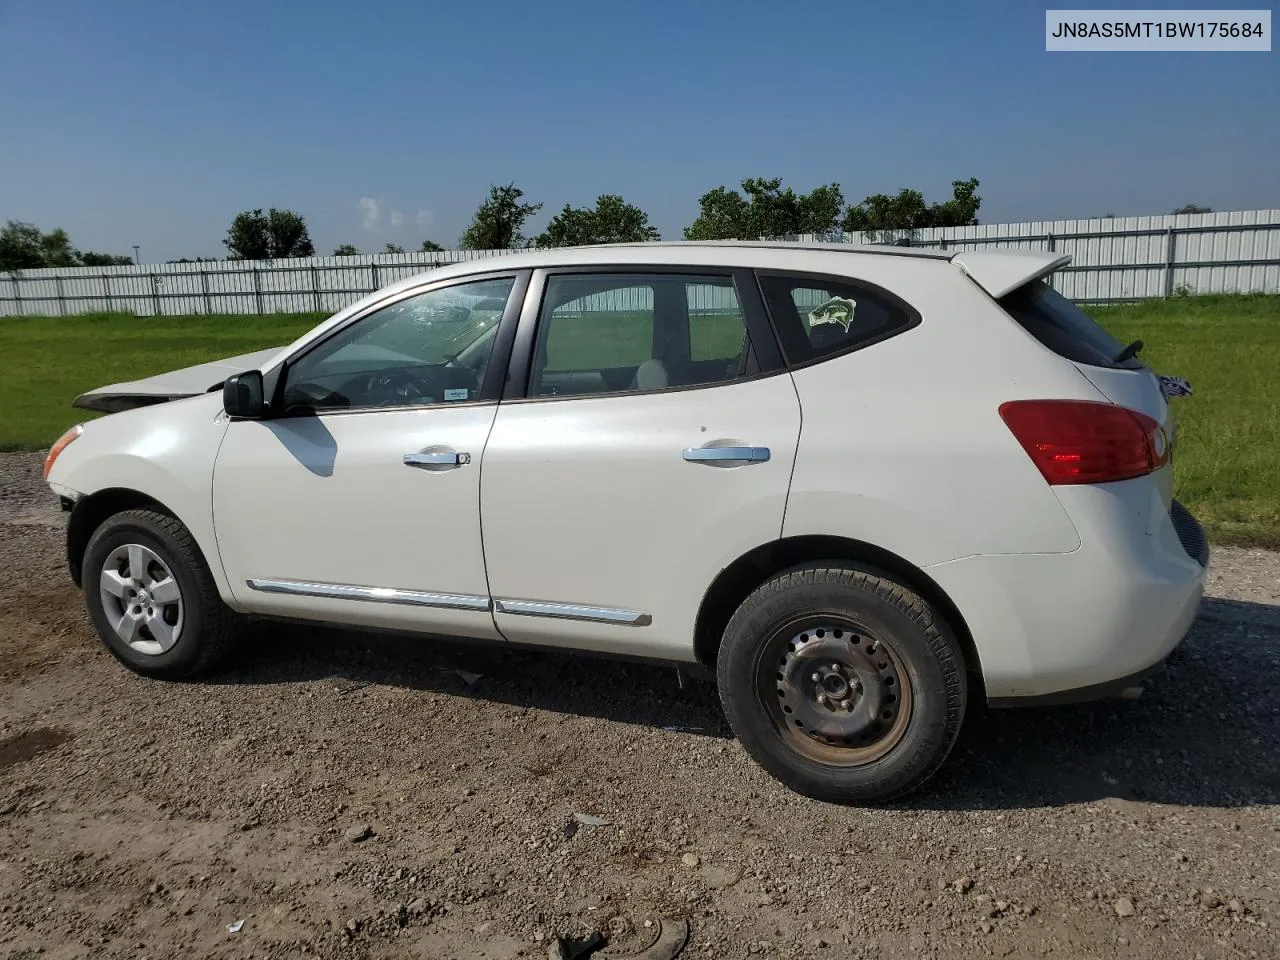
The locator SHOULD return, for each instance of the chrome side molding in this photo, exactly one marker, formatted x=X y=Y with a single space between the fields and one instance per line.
x=452 y=601
x=343 y=591
x=572 y=611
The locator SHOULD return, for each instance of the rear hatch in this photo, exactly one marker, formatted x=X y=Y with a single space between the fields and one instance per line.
x=1114 y=368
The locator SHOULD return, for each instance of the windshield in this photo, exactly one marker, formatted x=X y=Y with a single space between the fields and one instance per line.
x=1064 y=328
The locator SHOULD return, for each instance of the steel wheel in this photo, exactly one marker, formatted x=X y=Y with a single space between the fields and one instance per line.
x=141 y=599
x=835 y=692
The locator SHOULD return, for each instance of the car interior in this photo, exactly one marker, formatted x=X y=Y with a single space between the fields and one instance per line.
x=672 y=360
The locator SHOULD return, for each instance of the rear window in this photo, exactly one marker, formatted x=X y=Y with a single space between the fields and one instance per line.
x=1063 y=327
x=817 y=317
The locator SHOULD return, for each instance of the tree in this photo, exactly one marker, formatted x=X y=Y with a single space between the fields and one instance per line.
x=611 y=220
x=91 y=259
x=392 y=248
x=430 y=246
x=346 y=250
x=254 y=235
x=499 y=220
x=882 y=214
x=24 y=246
x=21 y=246
x=766 y=211
x=1192 y=208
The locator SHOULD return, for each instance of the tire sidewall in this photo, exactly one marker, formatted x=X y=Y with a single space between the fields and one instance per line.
x=178 y=659
x=929 y=656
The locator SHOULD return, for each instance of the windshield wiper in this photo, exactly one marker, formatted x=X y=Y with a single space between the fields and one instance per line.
x=1128 y=352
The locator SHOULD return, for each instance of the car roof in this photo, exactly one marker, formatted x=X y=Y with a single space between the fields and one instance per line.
x=720 y=253
x=997 y=271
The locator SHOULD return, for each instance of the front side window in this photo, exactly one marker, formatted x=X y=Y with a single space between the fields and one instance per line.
x=818 y=317
x=426 y=349
x=607 y=333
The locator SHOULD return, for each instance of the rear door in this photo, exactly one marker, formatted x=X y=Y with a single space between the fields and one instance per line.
x=646 y=441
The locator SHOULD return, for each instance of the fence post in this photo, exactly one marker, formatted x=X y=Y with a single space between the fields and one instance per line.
x=1169 y=247
x=373 y=272
x=204 y=288
x=62 y=303
x=17 y=293
x=1051 y=241
x=155 y=295
x=106 y=292
x=315 y=287
x=257 y=288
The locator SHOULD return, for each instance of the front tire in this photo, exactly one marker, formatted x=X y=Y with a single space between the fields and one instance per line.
x=845 y=685
x=151 y=597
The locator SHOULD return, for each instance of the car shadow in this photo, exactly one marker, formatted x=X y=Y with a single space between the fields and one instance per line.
x=1206 y=732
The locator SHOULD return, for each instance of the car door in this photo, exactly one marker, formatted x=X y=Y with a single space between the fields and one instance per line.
x=359 y=501
x=646 y=440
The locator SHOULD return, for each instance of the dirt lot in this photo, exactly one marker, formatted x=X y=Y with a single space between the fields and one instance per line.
x=141 y=819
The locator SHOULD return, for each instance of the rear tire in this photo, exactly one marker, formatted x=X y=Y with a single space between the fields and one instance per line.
x=842 y=683
x=152 y=599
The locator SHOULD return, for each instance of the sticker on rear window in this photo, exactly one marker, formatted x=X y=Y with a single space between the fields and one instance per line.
x=456 y=393
x=836 y=310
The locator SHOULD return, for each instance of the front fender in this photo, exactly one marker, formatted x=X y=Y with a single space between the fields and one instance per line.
x=164 y=453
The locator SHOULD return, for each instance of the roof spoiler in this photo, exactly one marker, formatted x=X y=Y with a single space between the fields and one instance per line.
x=1001 y=271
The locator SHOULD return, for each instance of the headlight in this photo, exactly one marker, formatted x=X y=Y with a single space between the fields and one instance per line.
x=59 y=445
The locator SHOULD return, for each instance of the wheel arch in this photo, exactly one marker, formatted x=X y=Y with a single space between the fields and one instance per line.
x=92 y=510
x=736 y=581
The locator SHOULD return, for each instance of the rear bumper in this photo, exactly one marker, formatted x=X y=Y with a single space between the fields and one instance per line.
x=1066 y=627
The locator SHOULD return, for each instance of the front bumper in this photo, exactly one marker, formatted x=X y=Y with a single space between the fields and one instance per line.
x=1053 y=628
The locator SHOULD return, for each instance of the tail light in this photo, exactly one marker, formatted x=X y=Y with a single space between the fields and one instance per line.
x=1076 y=441
x=59 y=445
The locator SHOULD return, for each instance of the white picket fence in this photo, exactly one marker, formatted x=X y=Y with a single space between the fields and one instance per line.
x=1123 y=258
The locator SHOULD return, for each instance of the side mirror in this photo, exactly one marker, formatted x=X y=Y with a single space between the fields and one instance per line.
x=242 y=396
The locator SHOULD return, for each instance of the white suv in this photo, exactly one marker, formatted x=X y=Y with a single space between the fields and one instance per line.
x=864 y=485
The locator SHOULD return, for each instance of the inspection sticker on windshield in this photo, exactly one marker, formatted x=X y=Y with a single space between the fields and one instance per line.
x=836 y=310
x=456 y=393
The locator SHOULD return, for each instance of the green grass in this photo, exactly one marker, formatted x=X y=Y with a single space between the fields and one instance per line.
x=46 y=362
x=1226 y=467
x=1227 y=462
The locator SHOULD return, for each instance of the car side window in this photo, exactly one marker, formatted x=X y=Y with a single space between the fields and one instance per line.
x=426 y=349
x=615 y=333
x=818 y=317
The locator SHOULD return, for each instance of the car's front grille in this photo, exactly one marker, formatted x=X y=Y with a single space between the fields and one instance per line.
x=1190 y=533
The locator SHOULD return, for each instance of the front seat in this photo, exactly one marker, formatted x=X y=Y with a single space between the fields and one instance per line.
x=651 y=375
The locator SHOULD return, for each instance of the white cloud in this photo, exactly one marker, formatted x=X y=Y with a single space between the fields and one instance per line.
x=372 y=211
x=378 y=217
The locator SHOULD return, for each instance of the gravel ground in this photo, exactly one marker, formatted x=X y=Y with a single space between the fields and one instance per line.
x=142 y=819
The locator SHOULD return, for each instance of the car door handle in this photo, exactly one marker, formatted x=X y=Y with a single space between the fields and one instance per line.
x=727 y=456
x=447 y=459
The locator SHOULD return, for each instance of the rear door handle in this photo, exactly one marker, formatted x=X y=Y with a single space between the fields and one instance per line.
x=428 y=460
x=727 y=456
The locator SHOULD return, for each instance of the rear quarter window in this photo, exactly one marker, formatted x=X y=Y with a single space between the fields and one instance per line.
x=818 y=317
x=1063 y=327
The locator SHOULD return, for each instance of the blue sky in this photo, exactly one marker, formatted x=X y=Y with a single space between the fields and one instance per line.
x=154 y=123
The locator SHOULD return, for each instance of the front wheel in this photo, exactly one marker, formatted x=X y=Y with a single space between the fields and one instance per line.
x=842 y=683
x=151 y=596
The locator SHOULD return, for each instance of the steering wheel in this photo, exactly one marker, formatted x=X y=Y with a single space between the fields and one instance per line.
x=396 y=388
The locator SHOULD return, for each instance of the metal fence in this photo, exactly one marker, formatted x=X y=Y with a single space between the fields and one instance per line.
x=1129 y=258
x=1132 y=258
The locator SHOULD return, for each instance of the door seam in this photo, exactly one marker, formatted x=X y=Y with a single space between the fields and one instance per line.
x=795 y=456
